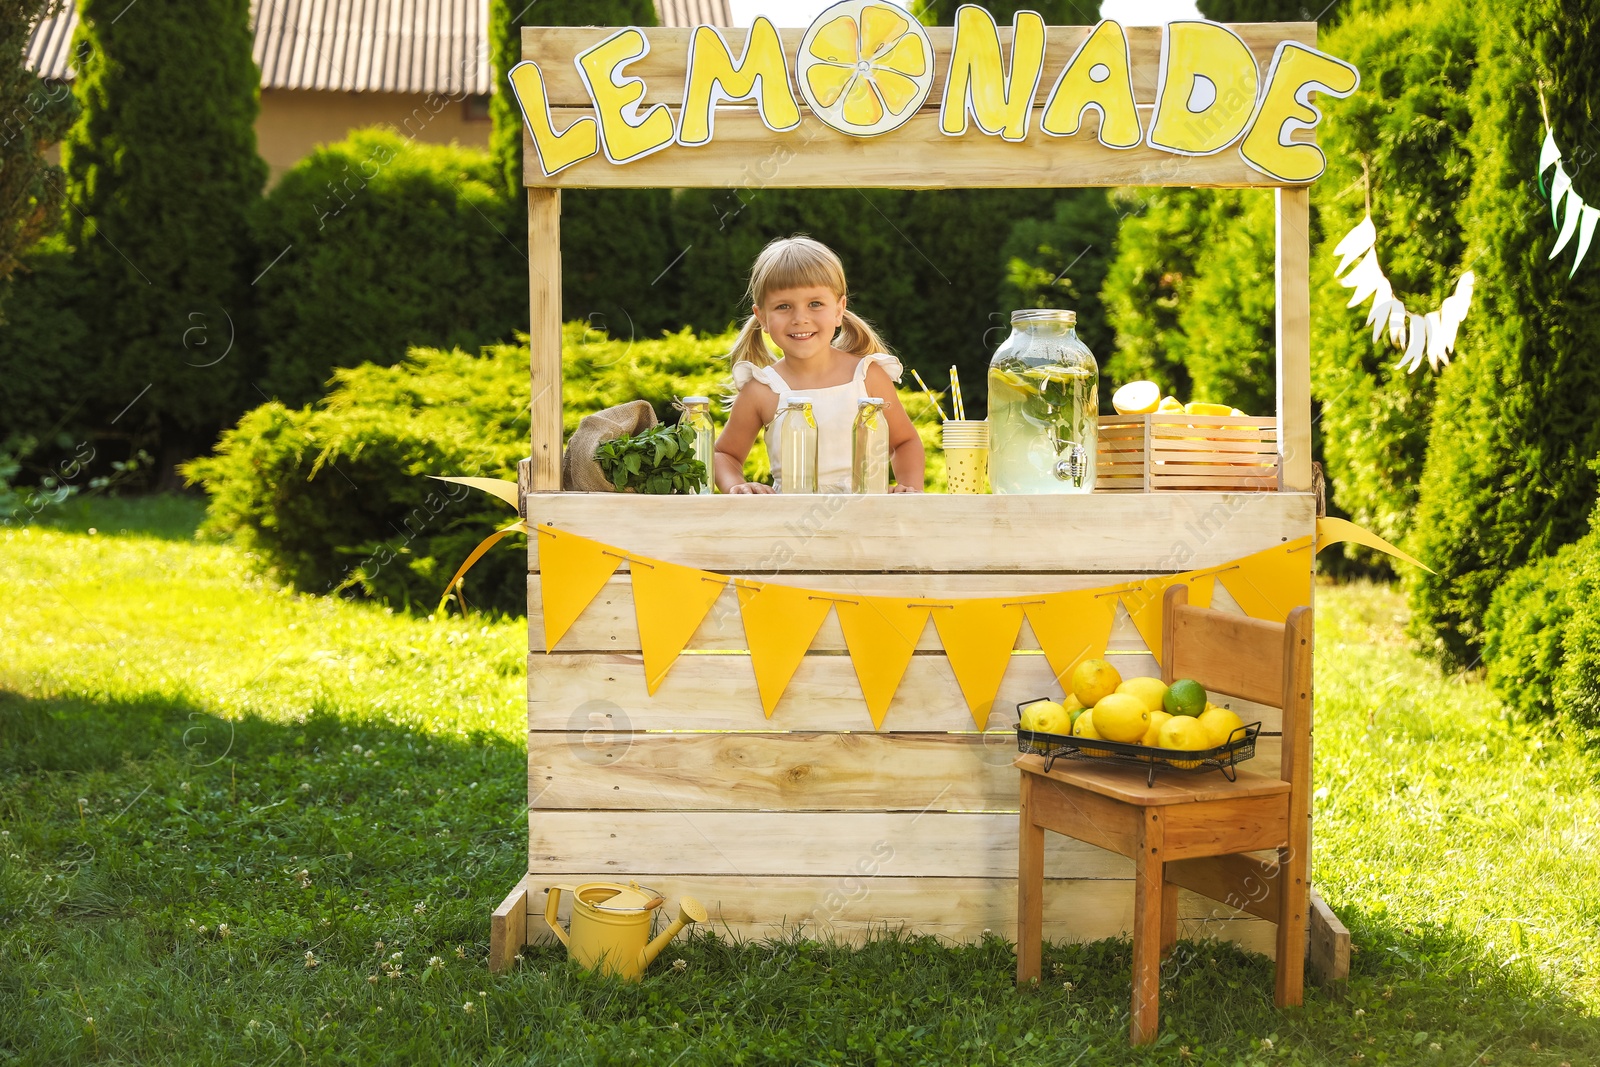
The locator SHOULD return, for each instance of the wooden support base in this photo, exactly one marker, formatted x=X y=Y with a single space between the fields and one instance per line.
x=508 y=929
x=1329 y=957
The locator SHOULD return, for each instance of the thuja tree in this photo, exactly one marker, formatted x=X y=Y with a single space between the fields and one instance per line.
x=1398 y=144
x=33 y=116
x=618 y=268
x=1517 y=418
x=161 y=173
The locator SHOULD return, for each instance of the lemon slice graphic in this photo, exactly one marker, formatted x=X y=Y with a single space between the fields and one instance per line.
x=865 y=66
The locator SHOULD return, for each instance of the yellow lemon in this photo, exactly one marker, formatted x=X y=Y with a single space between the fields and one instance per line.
x=1200 y=407
x=1136 y=398
x=1073 y=705
x=1121 y=717
x=1185 y=734
x=1219 y=725
x=1170 y=403
x=1153 y=733
x=864 y=67
x=1093 y=679
x=1046 y=717
x=1149 y=691
x=1084 y=727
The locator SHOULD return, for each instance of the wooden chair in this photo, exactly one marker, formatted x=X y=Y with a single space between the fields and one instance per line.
x=1191 y=830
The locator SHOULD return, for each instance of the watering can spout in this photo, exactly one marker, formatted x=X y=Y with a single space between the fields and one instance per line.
x=690 y=910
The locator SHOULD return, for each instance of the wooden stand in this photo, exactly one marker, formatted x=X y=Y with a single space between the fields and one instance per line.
x=811 y=819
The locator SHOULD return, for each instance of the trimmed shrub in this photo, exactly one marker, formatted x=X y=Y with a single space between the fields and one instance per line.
x=335 y=498
x=1517 y=419
x=46 y=352
x=1190 y=295
x=1407 y=124
x=386 y=245
x=161 y=173
x=1524 y=628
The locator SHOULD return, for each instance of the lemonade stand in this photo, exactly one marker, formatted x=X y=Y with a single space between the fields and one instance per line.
x=799 y=709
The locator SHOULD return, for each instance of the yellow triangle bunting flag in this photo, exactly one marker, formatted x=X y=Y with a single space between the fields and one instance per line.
x=881 y=634
x=1144 y=603
x=669 y=602
x=780 y=622
x=1270 y=584
x=572 y=571
x=1071 y=627
x=978 y=636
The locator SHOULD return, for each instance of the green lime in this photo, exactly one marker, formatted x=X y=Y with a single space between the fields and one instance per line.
x=1185 y=697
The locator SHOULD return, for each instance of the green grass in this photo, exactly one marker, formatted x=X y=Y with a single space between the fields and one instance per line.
x=184 y=746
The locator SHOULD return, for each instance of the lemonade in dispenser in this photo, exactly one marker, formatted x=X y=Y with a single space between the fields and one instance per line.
x=1044 y=407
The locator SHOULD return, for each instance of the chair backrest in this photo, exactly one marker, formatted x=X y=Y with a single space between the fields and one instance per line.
x=1265 y=662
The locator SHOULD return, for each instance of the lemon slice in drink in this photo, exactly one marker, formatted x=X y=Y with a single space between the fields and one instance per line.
x=865 y=66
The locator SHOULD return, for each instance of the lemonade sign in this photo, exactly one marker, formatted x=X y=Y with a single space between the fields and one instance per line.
x=866 y=67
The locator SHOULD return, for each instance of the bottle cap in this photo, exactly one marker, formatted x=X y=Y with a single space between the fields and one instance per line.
x=796 y=401
x=697 y=400
x=1056 y=315
x=864 y=401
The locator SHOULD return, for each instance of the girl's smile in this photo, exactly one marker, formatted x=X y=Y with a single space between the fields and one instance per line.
x=802 y=322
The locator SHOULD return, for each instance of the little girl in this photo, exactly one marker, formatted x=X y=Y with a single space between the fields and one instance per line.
x=797 y=292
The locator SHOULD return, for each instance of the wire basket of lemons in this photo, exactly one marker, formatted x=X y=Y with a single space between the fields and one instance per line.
x=1137 y=720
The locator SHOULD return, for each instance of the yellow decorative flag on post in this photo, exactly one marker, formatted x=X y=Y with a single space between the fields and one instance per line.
x=572 y=571
x=1144 y=603
x=780 y=622
x=1071 y=627
x=669 y=603
x=881 y=634
x=978 y=636
x=1270 y=584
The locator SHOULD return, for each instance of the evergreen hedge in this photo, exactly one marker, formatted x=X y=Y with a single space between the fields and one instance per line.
x=47 y=354
x=334 y=497
x=161 y=173
x=1517 y=419
x=375 y=245
x=1403 y=136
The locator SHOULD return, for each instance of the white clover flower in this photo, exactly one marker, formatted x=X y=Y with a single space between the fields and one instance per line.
x=435 y=963
x=468 y=1007
x=223 y=931
x=311 y=959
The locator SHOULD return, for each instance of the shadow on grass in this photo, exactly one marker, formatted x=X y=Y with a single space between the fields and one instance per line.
x=158 y=516
x=135 y=830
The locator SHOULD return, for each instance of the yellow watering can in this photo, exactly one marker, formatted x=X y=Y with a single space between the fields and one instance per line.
x=611 y=925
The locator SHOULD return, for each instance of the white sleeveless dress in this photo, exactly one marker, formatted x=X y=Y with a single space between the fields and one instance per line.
x=834 y=408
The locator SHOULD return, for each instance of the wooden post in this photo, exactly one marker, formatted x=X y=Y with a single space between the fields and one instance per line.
x=1294 y=338
x=544 y=336
x=508 y=929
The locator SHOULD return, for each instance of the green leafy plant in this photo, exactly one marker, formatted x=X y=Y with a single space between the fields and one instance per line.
x=659 y=460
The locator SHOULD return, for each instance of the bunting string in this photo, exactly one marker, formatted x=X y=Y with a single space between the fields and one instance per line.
x=881 y=633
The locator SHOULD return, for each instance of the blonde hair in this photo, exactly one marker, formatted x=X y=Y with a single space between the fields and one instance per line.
x=799 y=262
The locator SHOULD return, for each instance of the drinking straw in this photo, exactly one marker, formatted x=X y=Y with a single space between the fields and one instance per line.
x=955 y=395
x=931 y=398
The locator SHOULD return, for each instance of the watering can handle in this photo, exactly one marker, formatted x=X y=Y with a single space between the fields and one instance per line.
x=552 y=904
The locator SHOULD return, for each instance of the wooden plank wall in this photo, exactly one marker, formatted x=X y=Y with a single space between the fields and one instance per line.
x=745 y=154
x=812 y=819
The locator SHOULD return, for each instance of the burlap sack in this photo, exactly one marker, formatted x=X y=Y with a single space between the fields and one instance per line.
x=579 y=472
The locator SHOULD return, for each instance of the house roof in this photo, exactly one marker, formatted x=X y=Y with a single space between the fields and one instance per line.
x=382 y=46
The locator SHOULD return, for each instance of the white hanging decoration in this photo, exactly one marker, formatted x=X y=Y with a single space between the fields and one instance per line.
x=1431 y=336
x=1580 y=218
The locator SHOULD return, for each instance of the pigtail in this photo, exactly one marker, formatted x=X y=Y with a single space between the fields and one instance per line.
x=750 y=346
x=857 y=337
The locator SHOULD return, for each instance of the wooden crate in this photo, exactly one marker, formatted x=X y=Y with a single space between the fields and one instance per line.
x=812 y=820
x=1171 y=450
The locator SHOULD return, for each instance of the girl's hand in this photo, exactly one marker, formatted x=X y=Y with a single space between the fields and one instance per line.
x=904 y=489
x=745 y=488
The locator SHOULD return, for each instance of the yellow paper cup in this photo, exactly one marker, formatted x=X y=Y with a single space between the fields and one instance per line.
x=966 y=455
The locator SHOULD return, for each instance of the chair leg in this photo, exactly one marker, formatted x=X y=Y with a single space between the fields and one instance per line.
x=1169 y=917
x=1295 y=894
x=1148 y=892
x=1030 y=890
